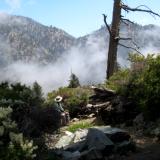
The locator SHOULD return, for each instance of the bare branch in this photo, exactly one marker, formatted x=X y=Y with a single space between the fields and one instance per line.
x=143 y=6
x=135 y=44
x=127 y=9
x=124 y=20
x=131 y=41
x=108 y=27
x=130 y=48
x=123 y=38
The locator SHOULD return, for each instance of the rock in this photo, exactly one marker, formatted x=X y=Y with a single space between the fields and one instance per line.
x=116 y=135
x=118 y=111
x=101 y=94
x=94 y=143
x=138 y=122
x=68 y=133
x=75 y=146
x=156 y=132
x=89 y=105
x=65 y=140
x=94 y=155
x=125 y=147
x=98 y=140
x=91 y=115
x=66 y=155
x=80 y=135
x=75 y=120
x=105 y=91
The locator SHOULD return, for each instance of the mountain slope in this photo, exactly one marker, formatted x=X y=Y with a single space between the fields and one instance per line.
x=23 y=39
x=25 y=46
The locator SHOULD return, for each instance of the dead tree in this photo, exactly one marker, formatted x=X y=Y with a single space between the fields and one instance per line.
x=113 y=30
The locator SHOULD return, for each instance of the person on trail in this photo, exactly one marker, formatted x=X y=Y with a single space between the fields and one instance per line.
x=60 y=109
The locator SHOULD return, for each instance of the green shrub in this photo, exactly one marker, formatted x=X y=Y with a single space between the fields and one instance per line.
x=141 y=83
x=12 y=143
x=119 y=79
x=74 y=99
x=26 y=103
x=20 y=92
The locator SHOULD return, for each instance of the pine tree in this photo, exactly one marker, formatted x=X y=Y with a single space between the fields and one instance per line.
x=74 y=81
x=37 y=94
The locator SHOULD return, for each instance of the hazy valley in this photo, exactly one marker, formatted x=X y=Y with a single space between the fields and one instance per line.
x=30 y=51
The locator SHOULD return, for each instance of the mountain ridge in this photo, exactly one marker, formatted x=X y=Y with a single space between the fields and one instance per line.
x=23 y=39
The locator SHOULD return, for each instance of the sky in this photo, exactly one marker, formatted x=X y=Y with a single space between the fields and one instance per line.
x=77 y=17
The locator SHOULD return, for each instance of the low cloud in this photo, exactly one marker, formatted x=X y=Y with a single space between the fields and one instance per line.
x=88 y=63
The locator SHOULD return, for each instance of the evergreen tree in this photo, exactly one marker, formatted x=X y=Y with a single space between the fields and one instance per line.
x=74 y=81
x=37 y=94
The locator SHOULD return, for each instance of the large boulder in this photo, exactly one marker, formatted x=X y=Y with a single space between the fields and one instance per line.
x=93 y=143
x=116 y=135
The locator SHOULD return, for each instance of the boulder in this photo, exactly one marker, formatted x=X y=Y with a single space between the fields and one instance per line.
x=101 y=94
x=139 y=122
x=80 y=135
x=94 y=143
x=66 y=155
x=65 y=140
x=119 y=111
x=75 y=120
x=97 y=139
x=116 y=135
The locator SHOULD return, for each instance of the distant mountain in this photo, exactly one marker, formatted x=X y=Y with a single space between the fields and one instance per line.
x=145 y=39
x=23 y=39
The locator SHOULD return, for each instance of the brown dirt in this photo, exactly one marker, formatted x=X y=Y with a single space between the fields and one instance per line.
x=148 y=148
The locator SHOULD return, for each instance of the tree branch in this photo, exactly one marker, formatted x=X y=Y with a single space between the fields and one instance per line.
x=124 y=20
x=123 y=38
x=127 y=9
x=108 y=27
x=130 y=48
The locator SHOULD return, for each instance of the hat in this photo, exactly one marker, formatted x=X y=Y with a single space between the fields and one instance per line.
x=58 y=99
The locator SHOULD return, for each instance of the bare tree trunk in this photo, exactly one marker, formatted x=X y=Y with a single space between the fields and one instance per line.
x=114 y=38
x=114 y=32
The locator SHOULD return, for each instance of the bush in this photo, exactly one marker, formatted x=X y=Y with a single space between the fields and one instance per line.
x=119 y=79
x=27 y=104
x=145 y=87
x=74 y=99
x=141 y=84
x=12 y=143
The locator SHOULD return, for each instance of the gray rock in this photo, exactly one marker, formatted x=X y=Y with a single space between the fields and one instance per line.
x=138 y=122
x=94 y=143
x=156 y=132
x=66 y=155
x=94 y=155
x=75 y=120
x=80 y=135
x=117 y=135
x=65 y=140
x=97 y=139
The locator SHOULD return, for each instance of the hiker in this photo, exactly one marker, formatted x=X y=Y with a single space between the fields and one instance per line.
x=64 y=115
